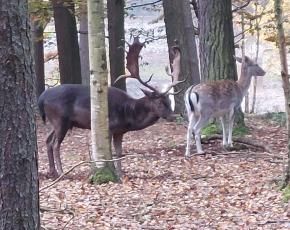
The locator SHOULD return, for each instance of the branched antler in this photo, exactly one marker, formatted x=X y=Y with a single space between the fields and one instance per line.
x=133 y=66
x=175 y=66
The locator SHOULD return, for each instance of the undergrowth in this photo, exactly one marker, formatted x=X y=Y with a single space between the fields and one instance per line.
x=215 y=128
x=277 y=117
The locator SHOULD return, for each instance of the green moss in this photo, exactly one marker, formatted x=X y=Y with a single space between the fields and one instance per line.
x=286 y=193
x=210 y=129
x=240 y=130
x=277 y=117
x=214 y=128
x=104 y=175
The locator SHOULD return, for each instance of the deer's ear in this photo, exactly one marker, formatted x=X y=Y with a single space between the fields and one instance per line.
x=238 y=59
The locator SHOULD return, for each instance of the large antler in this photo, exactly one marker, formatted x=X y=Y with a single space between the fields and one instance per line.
x=133 y=63
x=175 y=66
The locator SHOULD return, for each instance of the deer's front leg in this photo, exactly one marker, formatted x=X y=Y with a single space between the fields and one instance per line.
x=231 y=125
x=117 y=140
x=222 y=119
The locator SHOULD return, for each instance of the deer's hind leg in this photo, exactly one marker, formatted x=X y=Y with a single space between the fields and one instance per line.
x=60 y=133
x=202 y=120
x=192 y=121
x=49 y=145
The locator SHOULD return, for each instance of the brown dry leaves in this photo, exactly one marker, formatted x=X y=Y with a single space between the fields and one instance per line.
x=162 y=190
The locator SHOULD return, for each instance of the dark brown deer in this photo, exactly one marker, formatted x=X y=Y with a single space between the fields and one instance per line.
x=67 y=106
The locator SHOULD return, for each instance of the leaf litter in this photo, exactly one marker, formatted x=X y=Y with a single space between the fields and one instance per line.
x=163 y=190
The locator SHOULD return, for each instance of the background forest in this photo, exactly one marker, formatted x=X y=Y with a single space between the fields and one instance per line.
x=142 y=180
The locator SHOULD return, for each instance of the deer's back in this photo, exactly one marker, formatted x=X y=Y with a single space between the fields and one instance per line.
x=218 y=97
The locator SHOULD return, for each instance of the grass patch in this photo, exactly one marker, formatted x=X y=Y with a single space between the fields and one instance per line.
x=210 y=129
x=286 y=193
x=240 y=130
x=215 y=128
x=277 y=117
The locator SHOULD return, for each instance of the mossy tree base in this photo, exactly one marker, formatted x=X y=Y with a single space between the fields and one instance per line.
x=104 y=175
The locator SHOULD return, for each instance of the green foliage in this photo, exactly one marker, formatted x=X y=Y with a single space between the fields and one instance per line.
x=210 y=129
x=286 y=193
x=179 y=119
x=104 y=175
x=214 y=128
x=277 y=117
x=240 y=130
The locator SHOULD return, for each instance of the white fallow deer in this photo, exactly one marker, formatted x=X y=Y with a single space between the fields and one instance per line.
x=218 y=99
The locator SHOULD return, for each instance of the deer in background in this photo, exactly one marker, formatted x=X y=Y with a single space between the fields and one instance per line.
x=67 y=106
x=217 y=99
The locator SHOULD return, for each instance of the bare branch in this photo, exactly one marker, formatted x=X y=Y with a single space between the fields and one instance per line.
x=145 y=4
x=242 y=6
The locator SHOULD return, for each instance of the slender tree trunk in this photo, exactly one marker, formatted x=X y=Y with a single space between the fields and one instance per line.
x=38 y=52
x=19 y=201
x=116 y=41
x=101 y=147
x=243 y=55
x=256 y=59
x=179 y=26
x=285 y=77
x=84 y=46
x=67 y=41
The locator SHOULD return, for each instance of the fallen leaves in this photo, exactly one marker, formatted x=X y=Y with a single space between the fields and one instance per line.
x=163 y=190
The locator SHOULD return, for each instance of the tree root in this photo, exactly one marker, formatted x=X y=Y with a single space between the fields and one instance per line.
x=242 y=140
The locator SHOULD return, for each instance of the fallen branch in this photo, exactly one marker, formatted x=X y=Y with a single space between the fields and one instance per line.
x=242 y=141
x=75 y=166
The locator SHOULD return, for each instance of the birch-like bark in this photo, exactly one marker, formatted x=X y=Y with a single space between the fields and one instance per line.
x=285 y=77
x=99 y=84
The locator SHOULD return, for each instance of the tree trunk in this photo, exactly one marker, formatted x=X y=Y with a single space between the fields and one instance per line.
x=101 y=147
x=19 y=201
x=84 y=46
x=179 y=26
x=67 y=41
x=255 y=82
x=216 y=41
x=116 y=41
x=285 y=78
x=243 y=55
x=217 y=49
x=38 y=52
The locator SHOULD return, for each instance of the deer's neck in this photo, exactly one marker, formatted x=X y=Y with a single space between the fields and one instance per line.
x=244 y=81
x=142 y=115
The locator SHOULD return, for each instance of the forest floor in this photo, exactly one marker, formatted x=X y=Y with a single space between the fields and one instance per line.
x=163 y=190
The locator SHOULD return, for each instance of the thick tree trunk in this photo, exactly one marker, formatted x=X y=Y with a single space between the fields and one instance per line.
x=116 y=41
x=285 y=77
x=217 y=49
x=101 y=147
x=38 y=52
x=67 y=41
x=19 y=201
x=179 y=26
x=216 y=41
x=84 y=46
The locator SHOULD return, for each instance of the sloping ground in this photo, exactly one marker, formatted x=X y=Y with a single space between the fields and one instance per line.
x=162 y=190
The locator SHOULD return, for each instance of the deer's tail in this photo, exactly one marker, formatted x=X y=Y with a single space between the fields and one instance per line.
x=191 y=99
x=41 y=108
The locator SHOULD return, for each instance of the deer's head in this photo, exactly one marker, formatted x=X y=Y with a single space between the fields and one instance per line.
x=158 y=101
x=251 y=66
